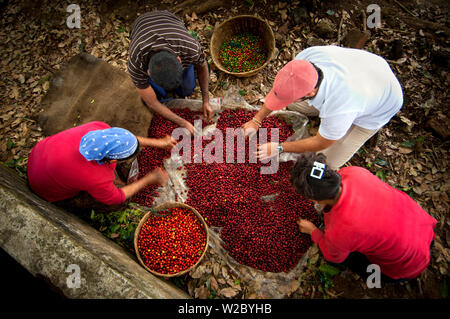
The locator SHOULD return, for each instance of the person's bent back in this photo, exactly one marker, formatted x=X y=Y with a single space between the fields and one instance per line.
x=365 y=215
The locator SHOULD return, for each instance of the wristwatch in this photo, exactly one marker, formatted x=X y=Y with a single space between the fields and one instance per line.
x=280 y=148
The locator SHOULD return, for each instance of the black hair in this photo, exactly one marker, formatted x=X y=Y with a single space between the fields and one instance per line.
x=165 y=70
x=131 y=156
x=320 y=78
x=327 y=187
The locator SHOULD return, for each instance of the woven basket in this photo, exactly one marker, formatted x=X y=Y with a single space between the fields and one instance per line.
x=162 y=207
x=240 y=24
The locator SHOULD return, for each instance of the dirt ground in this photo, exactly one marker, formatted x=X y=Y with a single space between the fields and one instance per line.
x=409 y=153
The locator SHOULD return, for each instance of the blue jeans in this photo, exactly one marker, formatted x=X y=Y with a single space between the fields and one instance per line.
x=185 y=89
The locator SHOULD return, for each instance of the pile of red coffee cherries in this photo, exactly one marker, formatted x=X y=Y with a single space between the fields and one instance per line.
x=257 y=212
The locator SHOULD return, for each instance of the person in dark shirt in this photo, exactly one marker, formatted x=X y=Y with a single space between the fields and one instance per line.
x=162 y=59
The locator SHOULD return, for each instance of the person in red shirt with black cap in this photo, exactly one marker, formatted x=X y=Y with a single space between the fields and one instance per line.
x=366 y=221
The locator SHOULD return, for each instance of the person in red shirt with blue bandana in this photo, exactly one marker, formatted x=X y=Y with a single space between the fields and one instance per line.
x=366 y=221
x=81 y=161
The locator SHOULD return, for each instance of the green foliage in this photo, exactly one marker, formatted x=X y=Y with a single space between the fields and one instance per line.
x=328 y=270
x=326 y=273
x=10 y=144
x=412 y=142
x=212 y=294
x=381 y=162
x=381 y=174
x=44 y=79
x=121 y=29
x=119 y=225
x=19 y=165
x=194 y=34
x=409 y=143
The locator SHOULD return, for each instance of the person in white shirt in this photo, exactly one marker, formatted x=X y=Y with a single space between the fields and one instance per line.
x=354 y=92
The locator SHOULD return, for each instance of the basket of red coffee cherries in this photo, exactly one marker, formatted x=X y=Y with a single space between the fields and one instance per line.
x=171 y=239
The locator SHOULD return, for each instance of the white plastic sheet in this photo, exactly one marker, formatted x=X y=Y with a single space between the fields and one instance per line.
x=263 y=284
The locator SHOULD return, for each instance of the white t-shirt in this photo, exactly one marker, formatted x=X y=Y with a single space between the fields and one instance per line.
x=358 y=87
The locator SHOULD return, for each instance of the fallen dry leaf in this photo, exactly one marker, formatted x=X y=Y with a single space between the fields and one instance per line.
x=198 y=272
x=228 y=292
x=213 y=283
x=404 y=150
x=201 y=292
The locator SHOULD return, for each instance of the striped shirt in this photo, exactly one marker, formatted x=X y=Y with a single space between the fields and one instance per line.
x=155 y=31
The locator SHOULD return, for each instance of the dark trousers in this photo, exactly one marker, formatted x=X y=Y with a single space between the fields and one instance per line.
x=83 y=204
x=358 y=264
x=185 y=89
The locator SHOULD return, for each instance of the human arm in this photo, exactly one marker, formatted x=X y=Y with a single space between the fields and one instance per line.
x=331 y=251
x=251 y=126
x=149 y=97
x=167 y=142
x=310 y=144
x=306 y=226
x=157 y=176
x=203 y=80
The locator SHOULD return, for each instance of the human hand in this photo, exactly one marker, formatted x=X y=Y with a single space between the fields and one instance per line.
x=158 y=176
x=187 y=125
x=306 y=226
x=167 y=142
x=250 y=128
x=267 y=150
x=207 y=111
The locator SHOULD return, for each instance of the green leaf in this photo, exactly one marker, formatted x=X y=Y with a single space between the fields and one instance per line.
x=121 y=29
x=381 y=175
x=10 y=144
x=409 y=144
x=381 y=162
x=44 y=79
x=114 y=228
x=329 y=270
x=212 y=294
x=194 y=34
x=420 y=139
x=123 y=217
x=241 y=92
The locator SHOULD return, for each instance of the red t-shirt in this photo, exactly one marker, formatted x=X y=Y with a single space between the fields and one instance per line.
x=57 y=171
x=378 y=221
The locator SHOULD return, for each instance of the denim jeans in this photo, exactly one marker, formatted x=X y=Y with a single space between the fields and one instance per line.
x=185 y=89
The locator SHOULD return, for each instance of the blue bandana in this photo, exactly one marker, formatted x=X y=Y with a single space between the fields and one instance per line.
x=112 y=143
